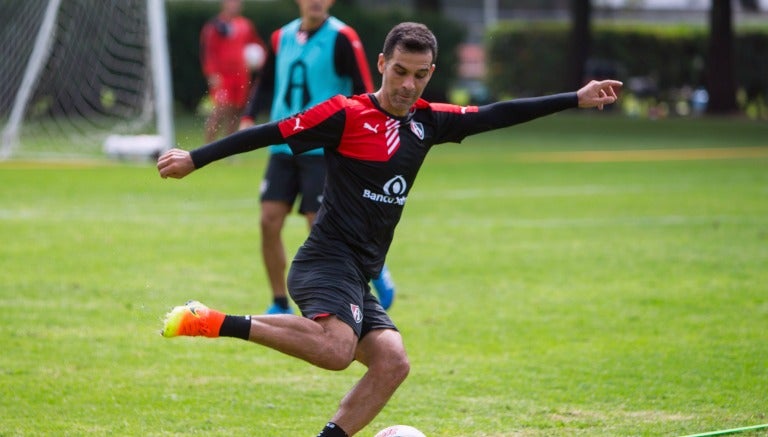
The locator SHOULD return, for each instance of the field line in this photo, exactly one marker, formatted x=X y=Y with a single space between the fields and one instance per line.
x=730 y=431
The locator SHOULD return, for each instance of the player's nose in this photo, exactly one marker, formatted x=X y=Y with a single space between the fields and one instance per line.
x=409 y=83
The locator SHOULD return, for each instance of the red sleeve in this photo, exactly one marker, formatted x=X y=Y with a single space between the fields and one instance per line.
x=319 y=126
x=207 y=49
x=275 y=40
x=362 y=71
x=312 y=117
x=456 y=109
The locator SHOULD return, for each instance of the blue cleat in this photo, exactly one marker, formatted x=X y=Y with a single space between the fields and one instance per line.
x=385 y=288
x=277 y=309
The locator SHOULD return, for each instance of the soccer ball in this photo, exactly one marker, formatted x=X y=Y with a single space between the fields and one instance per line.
x=254 y=56
x=400 y=431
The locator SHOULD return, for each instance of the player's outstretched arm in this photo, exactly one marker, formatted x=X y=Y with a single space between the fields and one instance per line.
x=175 y=163
x=598 y=93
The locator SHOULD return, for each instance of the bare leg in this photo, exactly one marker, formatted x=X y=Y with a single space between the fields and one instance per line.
x=273 y=252
x=212 y=124
x=327 y=342
x=231 y=119
x=383 y=352
x=224 y=118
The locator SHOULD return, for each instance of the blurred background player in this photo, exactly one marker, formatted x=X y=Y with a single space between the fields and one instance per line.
x=311 y=59
x=224 y=41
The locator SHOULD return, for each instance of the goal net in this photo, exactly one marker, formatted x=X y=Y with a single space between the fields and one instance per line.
x=84 y=77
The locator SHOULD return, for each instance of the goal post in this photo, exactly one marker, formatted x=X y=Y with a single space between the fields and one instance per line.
x=85 y=77
x=161 y=66
x=40 y=49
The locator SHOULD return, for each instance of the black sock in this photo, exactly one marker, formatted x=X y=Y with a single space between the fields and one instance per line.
x=332 y=430
x=236 y=326
x=282 y=302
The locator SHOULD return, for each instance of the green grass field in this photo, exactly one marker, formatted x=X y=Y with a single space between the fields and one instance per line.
x=540 y=294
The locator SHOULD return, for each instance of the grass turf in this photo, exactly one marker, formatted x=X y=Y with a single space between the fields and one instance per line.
x=537 y=297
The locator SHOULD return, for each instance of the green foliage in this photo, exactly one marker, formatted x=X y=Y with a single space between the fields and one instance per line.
x=752 y=55
x=543 y=290
x=531 y=58
x=186 y=18
x=526 y=60
x=646 y=50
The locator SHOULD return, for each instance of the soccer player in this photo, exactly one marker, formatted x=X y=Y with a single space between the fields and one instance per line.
x=374 y=146
x=312 y=58
x=222 y=53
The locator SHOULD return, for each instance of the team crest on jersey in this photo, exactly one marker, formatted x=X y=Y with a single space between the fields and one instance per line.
x=417 y=129
x=357 y=313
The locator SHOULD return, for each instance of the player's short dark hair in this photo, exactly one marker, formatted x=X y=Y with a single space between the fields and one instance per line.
x=410 y=37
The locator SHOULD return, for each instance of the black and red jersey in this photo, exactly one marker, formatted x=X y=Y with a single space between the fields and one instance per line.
x=372 y=160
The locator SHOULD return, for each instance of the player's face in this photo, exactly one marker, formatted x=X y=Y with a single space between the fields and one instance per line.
x=403 y=79
x=314 y=11
x=232 y=7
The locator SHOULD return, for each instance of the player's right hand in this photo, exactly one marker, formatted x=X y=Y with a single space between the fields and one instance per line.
x=175 y=163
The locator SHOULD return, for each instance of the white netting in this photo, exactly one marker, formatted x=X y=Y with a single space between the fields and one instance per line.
x=88 y=71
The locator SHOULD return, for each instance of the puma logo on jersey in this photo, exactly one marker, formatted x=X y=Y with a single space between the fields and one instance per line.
x=298 y=125
x=374 y=129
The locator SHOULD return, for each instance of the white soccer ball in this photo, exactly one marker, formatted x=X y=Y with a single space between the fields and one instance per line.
x=400 y=431
x=254 y=56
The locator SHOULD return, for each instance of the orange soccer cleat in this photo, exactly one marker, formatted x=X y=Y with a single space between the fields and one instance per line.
x=192 y=319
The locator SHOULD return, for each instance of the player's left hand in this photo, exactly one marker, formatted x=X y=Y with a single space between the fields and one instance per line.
x=175 y=163
x=598 y=93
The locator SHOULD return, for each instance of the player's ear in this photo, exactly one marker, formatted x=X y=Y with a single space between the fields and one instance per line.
x=381 y=63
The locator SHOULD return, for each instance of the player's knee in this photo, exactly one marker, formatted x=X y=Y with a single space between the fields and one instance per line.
x=394 y=367
x=400 y=367
x=337 y=350
x=271 y=224
x=334 y=360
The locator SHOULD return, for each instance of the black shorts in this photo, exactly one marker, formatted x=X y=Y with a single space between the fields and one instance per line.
x=323 y=285
x=288 y=175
